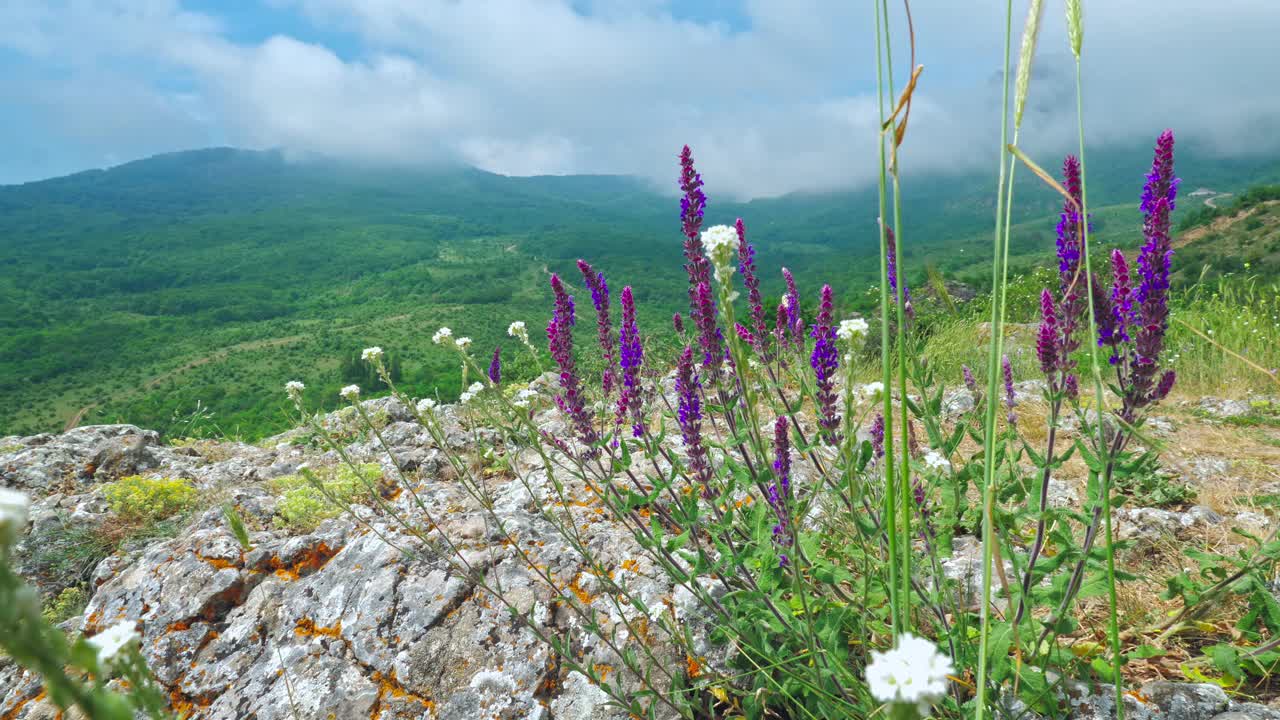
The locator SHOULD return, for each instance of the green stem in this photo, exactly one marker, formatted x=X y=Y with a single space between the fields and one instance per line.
x=1113 y=622
x=993 y=375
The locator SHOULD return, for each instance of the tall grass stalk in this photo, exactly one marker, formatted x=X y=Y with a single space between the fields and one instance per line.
x=886 y=375
x=1000 y=256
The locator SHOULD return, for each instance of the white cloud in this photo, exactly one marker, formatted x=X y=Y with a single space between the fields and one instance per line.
x=537 y=86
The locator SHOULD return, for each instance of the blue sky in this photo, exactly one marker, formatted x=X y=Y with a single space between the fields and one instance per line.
x=774 y=95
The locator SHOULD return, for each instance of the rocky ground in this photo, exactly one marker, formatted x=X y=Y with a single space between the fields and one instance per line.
x=358 y=619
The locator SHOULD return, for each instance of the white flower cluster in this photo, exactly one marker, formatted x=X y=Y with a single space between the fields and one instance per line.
x=441 y=335
x=110 y=642
x=471 y=392
x=294 y=388
x=935 y=460
x=371 y=354
x=426 y=405
x=873 y=391
x=519 y=331
x=463 y=343
x=523 y=398
x=852 y=329
x=913 y=673
x=13 y=513
x=719 y=242
x=350 y=392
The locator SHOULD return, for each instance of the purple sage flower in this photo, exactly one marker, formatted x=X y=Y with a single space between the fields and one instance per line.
x=780 y=490
x=1010 y=397
x=969 y=381
x=877 y=435
x=795 y=321
x=747 y=266
x=689 y=414
x=1154 y=260
x=570 y=400
x=891 y=267
x=604 y=324
x=825 y=361
x=1047 y=338
x=709 y=336
x=631 y=355
x=677 y=323
x=692 y=207
x=495 y=366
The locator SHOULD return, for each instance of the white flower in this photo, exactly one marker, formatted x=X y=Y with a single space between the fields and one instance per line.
x=914 y=672
x=13 y=511
x=852 y=329
x=466 y=397
x=350 y=392
x=426 y=405
x=475 y=388
x=371 y=354
x=441 y=335
x=936 y=460
x=873 y=391
x=294 y=388
x=518 y=330
x=524 y=397
x=719 y=242
x=111 y=641
x=463 y=343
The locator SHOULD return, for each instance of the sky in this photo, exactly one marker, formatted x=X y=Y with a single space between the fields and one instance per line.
x=774 y=96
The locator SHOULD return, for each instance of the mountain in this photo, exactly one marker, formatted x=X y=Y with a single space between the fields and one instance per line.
x=181 y=291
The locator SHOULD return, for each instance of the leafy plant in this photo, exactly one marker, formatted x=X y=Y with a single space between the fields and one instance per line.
x=141 y=499
x=305 y=501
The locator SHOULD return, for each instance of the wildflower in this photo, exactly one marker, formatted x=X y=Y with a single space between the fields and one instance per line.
x=371 y=354
x=475 y=388
x=689 y=414
x=294 y=388
x=935 y=460
x=441 y=335
x=708 y=332
x=571 y=400
x=463 y=343
x=969 y=381
x=795 y=322
x=824 y=362
x=495 y=366
x=604 y=328
x=350 y=392
x=780 y=490
x=110 y=642
x=518 y=331
x=677 y=323
x=891 y=268
x=1072 y=385
x=852 y=330
x=1047 y=338
x=524 y=397
x=426 y=405
x=913 y=673
x=631 y=356
x=692 y=207
x=1010 y=397
x=718 y=242
x=873 y=390
x=14 y=508
x=877 y=435
x=747 y=266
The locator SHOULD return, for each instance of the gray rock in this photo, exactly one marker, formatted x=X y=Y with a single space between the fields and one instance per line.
x=1186 y=701
x=958 y=402
x=1224 y=408
x=1249 y=711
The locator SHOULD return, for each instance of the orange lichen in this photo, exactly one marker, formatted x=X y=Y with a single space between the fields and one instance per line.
x=16 y=709
x=218 y=563
x=306 y=627
x=583 y=596
x=631 y=564
x=388 y=685
x=693 y=666
x=310 y=561
x=603 y=671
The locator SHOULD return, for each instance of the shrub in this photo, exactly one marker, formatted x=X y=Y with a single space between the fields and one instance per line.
x=145 y=499
x=306 y=502
x=68 y=604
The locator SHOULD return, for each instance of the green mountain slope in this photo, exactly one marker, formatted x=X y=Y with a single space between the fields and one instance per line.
x=205 y=279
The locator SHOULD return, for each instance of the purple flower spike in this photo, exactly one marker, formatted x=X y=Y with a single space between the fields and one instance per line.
x=1047 y=339
x=1010 y=397
x=1154 y=260
x=1121 y=297
x=747 y=266
x=604 y=325
x=631 y=354
x=677 y=323
x=795 y=322
x=571 y=400
x=1072 y=386
x=744 y=334
x=877 y=435
x=689 y=413
x=780 y=490
x=694 y=202
x=709 y=336
x=969 y=381
x=825 y=362
x=891 y=267
x=495 y=366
